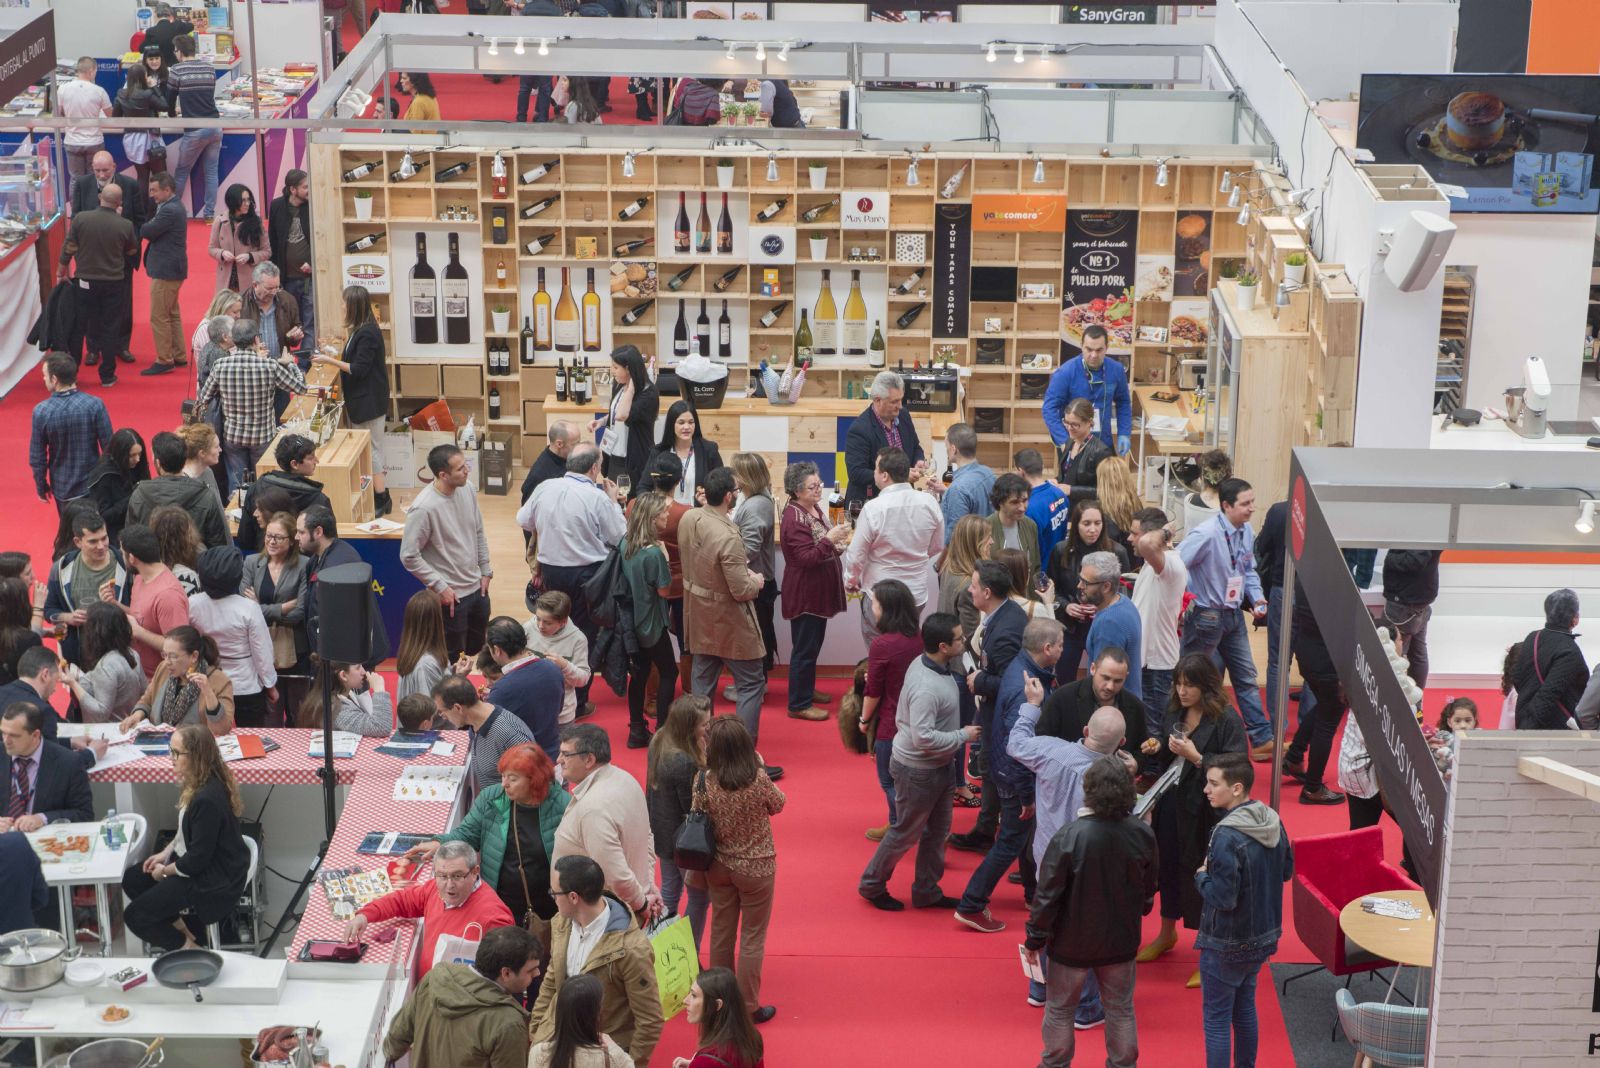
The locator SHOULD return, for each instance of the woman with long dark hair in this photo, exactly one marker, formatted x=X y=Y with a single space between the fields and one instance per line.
x=677 y=756
x=424 y=657
x=137 y=99
x=896 y=648
x=124 y=464
x=364 y=381
x=180 y=544
x=424 y=104
x=238 y=239
x=578 y=1042
x=698 y=455
x=1087 y=532
x=17 y=635
x=726 y=1037
x=361 y=705
x=275 y=579
x=625 y=444
x=110 y=688
x=1201 y=723
x=647 y=573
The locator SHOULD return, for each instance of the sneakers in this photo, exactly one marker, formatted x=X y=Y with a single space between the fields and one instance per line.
x=157 y=369
x=729 y=693
x=1088 y=1025
x=982 y=922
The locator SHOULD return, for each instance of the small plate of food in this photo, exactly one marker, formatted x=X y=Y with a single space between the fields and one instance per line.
x=115 y=1015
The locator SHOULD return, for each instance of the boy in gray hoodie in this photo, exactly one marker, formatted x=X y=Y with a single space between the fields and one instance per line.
x=1241 y=885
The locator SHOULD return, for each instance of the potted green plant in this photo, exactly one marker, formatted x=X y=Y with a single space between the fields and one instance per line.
x=500 y=315
x=725 y=173
x=817 y=171
x=1249 y=290
x=819 y=244
x=363 y=204
x=1229 y=269
x=1294 y=268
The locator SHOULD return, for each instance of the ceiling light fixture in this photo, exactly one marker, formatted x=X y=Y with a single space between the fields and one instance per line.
x=1244 y=215
x=1585 y=521
x=911 y=173
x=731 y=48
x=772 y=166
x=1018 y=57
x=520 y=50
x=544 y=46
x=1038 y=172
x=1161 y=174
x=494 y=46
x=990 y=56
x=1303 y=220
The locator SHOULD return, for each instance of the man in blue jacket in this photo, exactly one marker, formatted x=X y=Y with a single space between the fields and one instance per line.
x=1102 y=382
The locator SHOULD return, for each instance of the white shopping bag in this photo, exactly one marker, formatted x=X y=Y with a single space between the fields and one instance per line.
x=458 y=949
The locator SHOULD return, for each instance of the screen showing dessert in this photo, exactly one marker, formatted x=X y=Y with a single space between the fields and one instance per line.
x=1513 y=142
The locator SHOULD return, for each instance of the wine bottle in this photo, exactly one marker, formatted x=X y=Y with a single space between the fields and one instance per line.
x=680 y=226
x=773 y=312
x=499 y=226
x=525 y=343
x=909 y=284
x=457 y=296
x=875 y=350
x=497 y=172
x=361 y=170
x=627 y=247
x=543 y=313
x=680 y=334
x=566 y=324
x=450 y=172
x=702 y=228
x=587 y=387
x=633 y=314
x=803 y=347
x=724 y=230
x=825 y=319
x=836 y=506
x=364 y=241
x=813 y=214
x=949 y=475
x=721 y=284
x=500 y=272
x=494 y=402
x=724 y=334
x=399 y=175
x=539 y=244
x=855 y=318
x=676 y=282
x=424 y=293
x=633 y=207
x=591 y=317
x=772 y=209
x=909 y=316
x=954 y=183
x=702 y=331
x=534 y=173
x=561 y=380
x=539 y=205
x=577 y=385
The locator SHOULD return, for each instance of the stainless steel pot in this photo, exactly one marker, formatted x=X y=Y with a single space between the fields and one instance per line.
x=33 y=958
x=115 y=1053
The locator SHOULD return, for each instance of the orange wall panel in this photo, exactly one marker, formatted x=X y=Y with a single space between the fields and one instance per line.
x=1564 y=37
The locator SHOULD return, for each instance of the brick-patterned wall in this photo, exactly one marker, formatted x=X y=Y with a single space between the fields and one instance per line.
x=1520 y=909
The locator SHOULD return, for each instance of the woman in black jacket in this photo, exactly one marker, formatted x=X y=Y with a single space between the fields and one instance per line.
x=1088 y=531
x=121 y=467
x=364 y=380
x=1083 y=453
x=197 y=879
x=138 y=99
x=626 y=444
x=698 y=455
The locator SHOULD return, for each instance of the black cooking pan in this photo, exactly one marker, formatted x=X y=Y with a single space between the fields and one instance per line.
x=191 y=968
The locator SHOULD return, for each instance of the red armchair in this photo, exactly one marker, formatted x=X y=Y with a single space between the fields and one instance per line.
x=1332 y=870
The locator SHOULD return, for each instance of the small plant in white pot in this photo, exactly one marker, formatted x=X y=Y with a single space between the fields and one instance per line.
x=724 y=174
x=817 y=171
x=1294 y=268
x=501 y=317
x=363 y=204
x=1249 y=290
x=819 y=244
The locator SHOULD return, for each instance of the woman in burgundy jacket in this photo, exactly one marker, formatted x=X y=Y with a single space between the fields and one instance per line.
x=813 y=582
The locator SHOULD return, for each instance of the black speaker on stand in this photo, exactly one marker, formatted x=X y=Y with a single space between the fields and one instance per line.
x=344 y=635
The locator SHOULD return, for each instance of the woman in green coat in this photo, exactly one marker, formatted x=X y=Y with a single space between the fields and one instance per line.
x=513 y=825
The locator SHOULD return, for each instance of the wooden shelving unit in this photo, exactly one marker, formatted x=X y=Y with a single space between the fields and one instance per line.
x=1455 y=341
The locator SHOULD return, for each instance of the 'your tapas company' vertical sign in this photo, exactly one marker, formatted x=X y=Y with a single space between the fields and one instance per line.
x=952 y=269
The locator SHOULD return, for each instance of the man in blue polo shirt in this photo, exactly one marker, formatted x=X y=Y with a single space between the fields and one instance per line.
x=1048 y=507
x=1102 y=382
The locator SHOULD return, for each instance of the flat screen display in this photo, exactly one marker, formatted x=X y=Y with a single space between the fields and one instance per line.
x=994 y=284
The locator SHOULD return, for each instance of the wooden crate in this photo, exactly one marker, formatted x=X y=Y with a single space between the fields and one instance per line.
x=344 y=467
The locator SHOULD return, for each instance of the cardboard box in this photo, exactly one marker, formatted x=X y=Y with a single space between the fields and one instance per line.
x=423 y=441
x=496 y=457
x=396 y=454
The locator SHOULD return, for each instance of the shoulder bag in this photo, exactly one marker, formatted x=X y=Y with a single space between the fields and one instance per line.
x=696 y=845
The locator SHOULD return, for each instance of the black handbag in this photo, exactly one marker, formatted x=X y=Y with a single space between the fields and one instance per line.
x=696 y=845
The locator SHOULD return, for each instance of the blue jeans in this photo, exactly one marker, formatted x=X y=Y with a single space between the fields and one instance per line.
x=1228 y=993
x=1220 y=634
x=1157 y=685
x=882 y=750
x=240 y=460
x=526 y=85
x=1090 y=1009
x=205 y=148
x=672 y=888
x=1010 y=840
x=1071 y=654
x=1308 y=703
x=304 y=293
x=806 y=634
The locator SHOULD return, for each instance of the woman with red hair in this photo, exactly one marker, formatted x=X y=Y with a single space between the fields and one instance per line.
x=512 y=825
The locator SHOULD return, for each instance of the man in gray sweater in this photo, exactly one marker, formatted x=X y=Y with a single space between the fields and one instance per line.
x=925 y=768
x=445 y=548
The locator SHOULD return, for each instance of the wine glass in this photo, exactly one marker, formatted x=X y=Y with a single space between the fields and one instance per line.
x=624 y=484
x=853 y=510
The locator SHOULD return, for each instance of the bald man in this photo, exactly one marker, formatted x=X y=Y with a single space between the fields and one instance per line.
x=102 y=243
x=86 y=197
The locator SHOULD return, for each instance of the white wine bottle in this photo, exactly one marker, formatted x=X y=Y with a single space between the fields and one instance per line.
x=567 y=327
x=813 y=214
x=825 y=320
x=539 y=170
x=543 y=313
x=591 y=317
x=855 y=318
x=875 y=350
x=804 y=349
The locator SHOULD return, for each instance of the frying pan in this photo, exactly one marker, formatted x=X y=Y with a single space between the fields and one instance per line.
x=192 y=968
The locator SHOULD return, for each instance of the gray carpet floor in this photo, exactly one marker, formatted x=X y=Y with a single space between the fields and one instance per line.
x=1309 y=1014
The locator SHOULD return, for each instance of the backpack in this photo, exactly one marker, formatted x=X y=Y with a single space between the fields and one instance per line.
x=605 y=587
x=698 y=105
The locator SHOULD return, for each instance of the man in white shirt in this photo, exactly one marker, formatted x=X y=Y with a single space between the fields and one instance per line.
x=575 y=520
x=445 y=547
x=1158 y=595
x=81 y=98
x=898 y=535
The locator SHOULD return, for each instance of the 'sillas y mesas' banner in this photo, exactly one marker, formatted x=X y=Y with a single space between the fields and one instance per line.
x=1011 y=213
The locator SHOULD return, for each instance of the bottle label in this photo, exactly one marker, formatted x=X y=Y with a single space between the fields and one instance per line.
x=724 y=243
x=591 y=322
x=825 y=334
x=725 y=334
x=566 y=333
x=455 y=298
x=541 y=323
x=631 y=210
x=855 y=337
x=804 y=352
x=535 y=174
x=534 y=248
x=423 y=304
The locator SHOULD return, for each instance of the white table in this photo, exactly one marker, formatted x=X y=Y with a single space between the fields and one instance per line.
x=103 y=868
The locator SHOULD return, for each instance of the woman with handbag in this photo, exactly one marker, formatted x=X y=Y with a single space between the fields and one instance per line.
x=677 y=756
x=234 y=622
x=275 y=579
x=896 y=648
x=139 y=99
x=740 y=801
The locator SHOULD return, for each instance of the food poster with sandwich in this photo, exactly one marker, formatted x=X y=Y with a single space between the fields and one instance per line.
x=1097 y=278
x=1520 y=143
x=1191 y=269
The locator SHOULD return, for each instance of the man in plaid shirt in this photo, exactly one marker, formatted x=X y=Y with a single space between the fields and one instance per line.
x=70 y=431
x=247 y=380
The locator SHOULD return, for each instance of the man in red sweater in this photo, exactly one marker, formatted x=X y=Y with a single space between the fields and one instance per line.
x=457 y=908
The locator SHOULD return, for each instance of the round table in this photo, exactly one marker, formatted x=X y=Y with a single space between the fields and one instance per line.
x=1402 y=941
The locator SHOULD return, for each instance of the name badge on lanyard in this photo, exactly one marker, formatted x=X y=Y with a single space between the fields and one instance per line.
x=1235 y=591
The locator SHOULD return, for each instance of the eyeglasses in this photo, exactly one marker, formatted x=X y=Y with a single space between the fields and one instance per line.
x=564 y=755
x=454 y=877
x=177 y=752
x=1090 y=582
x=277 y=537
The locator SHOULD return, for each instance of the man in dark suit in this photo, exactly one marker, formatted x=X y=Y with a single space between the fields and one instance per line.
x=43 y=782
x=1066 y=712
x=885 y=424
x=86 y=197
x=1000 y=639
x=38 y=675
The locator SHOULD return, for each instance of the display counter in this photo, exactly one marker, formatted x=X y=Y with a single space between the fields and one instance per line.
x=1496 y=435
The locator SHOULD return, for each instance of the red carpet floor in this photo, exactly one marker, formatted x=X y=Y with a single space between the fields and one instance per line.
x=853 y=986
